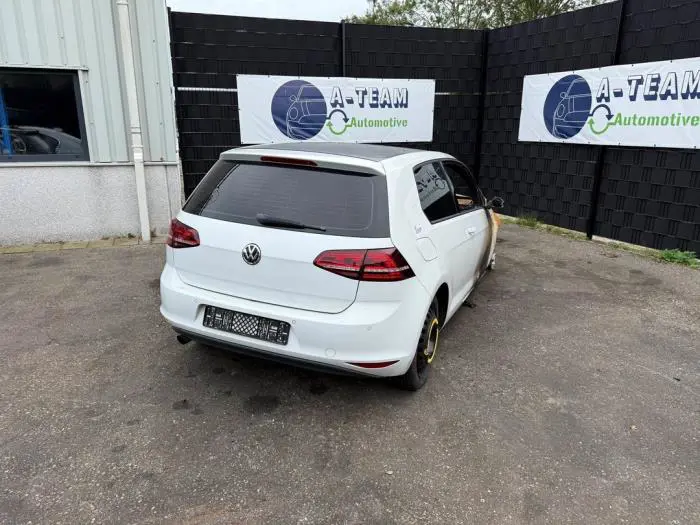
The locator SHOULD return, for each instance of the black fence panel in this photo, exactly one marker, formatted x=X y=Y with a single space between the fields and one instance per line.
x=553 y=182
x=646 y=196
x=452 y=57
x=207 y=125
x=208 y=51
x=652 y=196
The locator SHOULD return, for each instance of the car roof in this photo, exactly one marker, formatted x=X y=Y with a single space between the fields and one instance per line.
x=370 y=152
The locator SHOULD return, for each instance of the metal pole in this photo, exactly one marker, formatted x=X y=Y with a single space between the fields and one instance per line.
x=173 y=105
x=343 y=49
x=600 y=161
x=482 y=103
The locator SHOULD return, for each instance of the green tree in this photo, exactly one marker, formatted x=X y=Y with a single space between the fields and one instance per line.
x=462 y=14
x=388 y=13
x=469 y=14
x=427 y=13
x=508 y=12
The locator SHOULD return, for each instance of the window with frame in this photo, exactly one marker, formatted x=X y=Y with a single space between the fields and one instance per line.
x=435 y=191
x=41 y=117
x=467 y=194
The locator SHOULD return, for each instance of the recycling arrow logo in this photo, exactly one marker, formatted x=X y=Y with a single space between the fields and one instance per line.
x=607 y=123
x=338 y=129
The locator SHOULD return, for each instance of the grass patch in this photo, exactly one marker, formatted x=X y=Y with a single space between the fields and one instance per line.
x=631 y=248
x=529 y=221
x=573 y=234
x=679 y=257
x=688 y=259
x=532 y=222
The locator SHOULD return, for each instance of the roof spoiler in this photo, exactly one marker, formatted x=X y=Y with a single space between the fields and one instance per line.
x=305 y=158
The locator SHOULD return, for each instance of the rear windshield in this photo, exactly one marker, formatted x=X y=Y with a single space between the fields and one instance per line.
x=347 y=204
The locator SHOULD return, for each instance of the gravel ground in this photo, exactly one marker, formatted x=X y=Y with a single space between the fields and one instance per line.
x=568 y=394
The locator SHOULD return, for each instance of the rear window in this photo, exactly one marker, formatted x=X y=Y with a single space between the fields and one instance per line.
x=346 y=204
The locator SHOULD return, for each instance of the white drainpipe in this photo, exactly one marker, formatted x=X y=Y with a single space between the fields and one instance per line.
x=134 y=120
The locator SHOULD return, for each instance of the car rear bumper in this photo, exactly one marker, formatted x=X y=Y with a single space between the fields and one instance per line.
x=366 y=332
x=276 y=357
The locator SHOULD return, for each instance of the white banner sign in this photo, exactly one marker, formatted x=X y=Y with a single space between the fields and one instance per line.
x=656 y=104
x=287 y=109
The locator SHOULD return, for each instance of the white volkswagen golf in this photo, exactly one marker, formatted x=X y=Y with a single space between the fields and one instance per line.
x=346 y=257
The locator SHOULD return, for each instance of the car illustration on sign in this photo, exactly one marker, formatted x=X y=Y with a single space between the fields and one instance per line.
x=306 y=114
x=299 y=110
x=568 y=107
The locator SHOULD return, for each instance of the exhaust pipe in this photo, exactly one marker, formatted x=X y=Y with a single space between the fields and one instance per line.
x=183 y=339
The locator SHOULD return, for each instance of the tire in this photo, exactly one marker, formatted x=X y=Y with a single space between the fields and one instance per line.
x=417 y=374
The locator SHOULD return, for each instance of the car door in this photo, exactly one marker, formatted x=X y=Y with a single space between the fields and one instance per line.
x=475 y=218
x=449 y=229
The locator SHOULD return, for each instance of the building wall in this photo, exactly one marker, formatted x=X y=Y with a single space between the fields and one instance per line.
x=61 y=201
x=154 y=78
x=83 y=35
x=47 y=203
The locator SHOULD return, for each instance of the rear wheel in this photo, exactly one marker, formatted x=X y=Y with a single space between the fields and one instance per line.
x=419 y=371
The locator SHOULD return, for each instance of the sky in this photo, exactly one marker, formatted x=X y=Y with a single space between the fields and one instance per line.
x=327 y=10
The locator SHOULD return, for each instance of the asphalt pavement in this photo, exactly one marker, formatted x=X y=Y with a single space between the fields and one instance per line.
x=568 y=393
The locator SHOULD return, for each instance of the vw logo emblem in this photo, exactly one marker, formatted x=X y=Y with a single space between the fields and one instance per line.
x=251 y=253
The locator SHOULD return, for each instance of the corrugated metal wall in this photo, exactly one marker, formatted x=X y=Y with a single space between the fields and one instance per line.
x=154 y=77
x=83 y=35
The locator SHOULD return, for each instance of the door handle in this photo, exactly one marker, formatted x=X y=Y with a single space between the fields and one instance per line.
x=471 y=231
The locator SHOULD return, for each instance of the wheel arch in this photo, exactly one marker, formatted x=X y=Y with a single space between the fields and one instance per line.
x=443 y=297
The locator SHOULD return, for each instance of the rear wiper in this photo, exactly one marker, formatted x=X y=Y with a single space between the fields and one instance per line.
x=267 y=220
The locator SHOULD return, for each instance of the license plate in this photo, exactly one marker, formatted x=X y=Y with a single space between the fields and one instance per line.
x=245 y=324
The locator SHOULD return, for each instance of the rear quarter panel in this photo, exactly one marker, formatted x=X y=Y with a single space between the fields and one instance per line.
x=408 y=224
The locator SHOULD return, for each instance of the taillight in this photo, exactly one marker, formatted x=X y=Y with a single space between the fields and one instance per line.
x=347 y=263
x=385 y=264
x=182 y=236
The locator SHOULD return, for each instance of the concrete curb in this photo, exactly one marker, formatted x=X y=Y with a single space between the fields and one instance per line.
x=115 y=242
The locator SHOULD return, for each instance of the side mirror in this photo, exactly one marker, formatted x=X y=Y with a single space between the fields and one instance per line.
x=496 y=204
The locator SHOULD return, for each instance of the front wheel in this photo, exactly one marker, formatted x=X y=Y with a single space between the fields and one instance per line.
x=419 y=371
